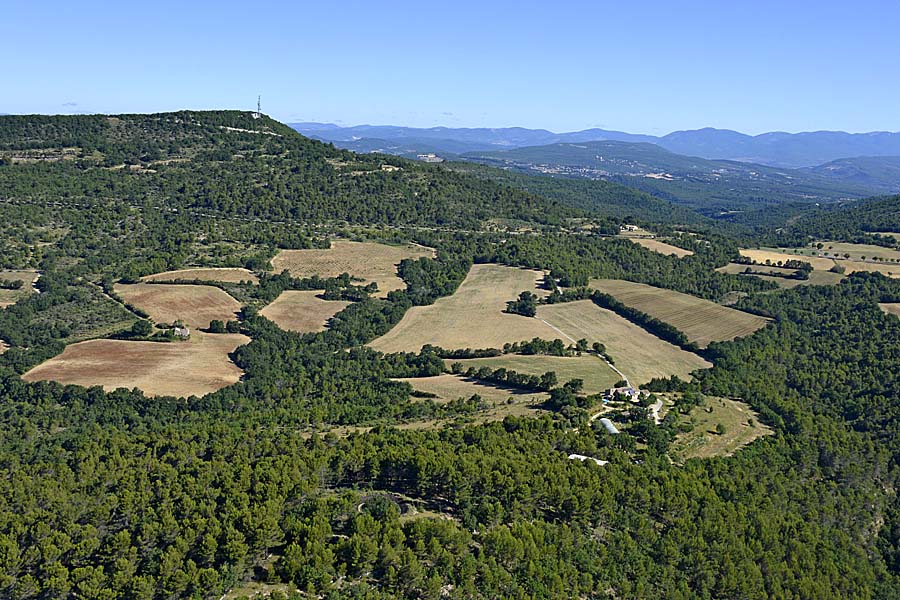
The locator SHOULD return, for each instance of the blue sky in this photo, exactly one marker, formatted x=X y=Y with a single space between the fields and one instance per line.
x=646 y=67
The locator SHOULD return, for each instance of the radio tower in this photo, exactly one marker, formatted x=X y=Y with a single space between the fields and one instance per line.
x=258 y=112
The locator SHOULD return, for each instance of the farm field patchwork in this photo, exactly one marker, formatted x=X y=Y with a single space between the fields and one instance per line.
x=596 y=374
x=196 y=305
x=224 y=275
x=761 y=271
x=640 y=355
x=472 y=317
x=8 y=297
x=741 y=426
x=302 y=311
x=367 y=260
x=181 y=369
x=700 y=320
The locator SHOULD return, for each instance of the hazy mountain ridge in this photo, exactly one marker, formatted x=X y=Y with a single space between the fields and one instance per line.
x=778 y=149
x=711 y=186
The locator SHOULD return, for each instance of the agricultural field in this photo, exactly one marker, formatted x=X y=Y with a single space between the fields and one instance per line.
x=700 y=320
x=765 y=272
x=741 y=426
x=892 y=308
x=640 y=355
x=195 y=305
x=224 y=275
x=834 y=249
x=369 y=261
x=8 y=297
x=661 y=247
x=302 y=311
x=451 y=387
x=472 y=317
x=192 y=368
x=596 y=374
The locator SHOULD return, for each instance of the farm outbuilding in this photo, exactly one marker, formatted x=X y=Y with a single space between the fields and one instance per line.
x=583 y=458
x=608 y=426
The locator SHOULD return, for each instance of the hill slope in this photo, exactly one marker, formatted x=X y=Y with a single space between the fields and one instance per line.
x=230 y=163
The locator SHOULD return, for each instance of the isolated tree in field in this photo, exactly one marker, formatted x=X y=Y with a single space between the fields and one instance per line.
x=526 y=305
x=216 y=326
x=720 y=429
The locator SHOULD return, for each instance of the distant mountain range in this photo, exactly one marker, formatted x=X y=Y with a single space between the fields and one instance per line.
x=712 y=186
x=776 y=149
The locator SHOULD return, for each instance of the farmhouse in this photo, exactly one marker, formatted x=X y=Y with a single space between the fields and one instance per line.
x=181 y=332
x=628 y=392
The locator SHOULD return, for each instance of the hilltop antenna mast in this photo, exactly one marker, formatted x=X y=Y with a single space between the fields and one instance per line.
x=258 y=112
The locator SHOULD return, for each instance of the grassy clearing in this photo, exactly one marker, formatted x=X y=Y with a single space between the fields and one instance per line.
x=256 y=590
x=741 y=427
x=9 y=297
x=452 y=387
x=661 y=247
x=472 y=317
x=765 y=273
x=196 y=367
x=3 y=346
x=596 y=374
x=836 y=252
x=224 y=275
x=700 y=320
x=367 y=260
x=302 y=311
x=640 y=355
x=196 y=305
x=892 y=308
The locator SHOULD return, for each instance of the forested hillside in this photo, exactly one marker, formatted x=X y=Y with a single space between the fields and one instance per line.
x=113 y=495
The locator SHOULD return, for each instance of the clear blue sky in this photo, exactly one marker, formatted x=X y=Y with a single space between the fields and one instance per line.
x=648 y=67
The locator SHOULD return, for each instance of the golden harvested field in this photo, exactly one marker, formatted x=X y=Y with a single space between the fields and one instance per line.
x=815 y=278
x=704 y=442
x=472 y=317
x=224 y=275
x=761 y=256
x=196 y=367
x=451 y=387
x=9 y=297
x=596 y=374
x=661 y=247
x=640 y=355
x=822 y=263
x=367 y=260
x=891 y=308
x=302 y=311
x=196 y=305
x=700 y=320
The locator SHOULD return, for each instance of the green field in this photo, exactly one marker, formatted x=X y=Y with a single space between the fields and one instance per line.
x=765 y=273
x=741 y=425
x=596 y=374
